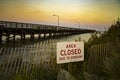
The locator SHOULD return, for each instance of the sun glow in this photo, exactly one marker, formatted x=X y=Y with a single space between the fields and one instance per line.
x=87 y=12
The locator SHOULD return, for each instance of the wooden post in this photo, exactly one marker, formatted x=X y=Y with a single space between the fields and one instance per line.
x=39 y=37
x=24 y=37
x=8 y=37
x=50 y=35
x=0 y=38
x=21 y=37
x=32 y=36
x=44 y=36
x=14 y=37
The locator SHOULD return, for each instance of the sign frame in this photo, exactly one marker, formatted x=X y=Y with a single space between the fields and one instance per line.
x=70 y=52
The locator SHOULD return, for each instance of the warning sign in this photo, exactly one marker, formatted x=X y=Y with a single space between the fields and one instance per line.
x=70 y=52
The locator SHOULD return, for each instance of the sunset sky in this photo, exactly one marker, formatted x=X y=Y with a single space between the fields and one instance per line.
x=95 y=14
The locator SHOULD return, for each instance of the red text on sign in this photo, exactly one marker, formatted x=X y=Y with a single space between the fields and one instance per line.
x=70 y=45
x=70 y=52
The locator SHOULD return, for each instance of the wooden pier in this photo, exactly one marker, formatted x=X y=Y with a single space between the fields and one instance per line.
x=8 y=28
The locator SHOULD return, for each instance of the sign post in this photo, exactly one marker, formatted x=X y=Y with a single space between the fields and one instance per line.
x=70 y=52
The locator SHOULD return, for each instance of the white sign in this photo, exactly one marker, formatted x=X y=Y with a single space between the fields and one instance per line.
x=70 y=52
